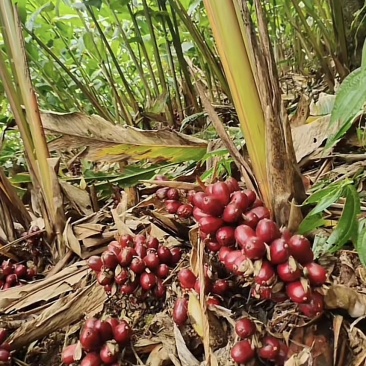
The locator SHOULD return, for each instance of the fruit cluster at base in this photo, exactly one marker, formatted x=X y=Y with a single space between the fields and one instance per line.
x=12 y=275
x=133 y=263
x=100 y=343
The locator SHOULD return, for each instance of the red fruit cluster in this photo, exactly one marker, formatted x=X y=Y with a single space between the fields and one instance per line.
x=175 y=202
x=101 y=343
x=244 y=350
x=5 y=349
x=12 y=275
x=135 y=262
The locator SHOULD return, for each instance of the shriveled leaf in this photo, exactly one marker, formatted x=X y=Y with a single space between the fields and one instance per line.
x=185 y=355
x=323 y=106
x=83 y=231
x=195 y=314
x=78 y=198
x=70 y=239
x=108 y=142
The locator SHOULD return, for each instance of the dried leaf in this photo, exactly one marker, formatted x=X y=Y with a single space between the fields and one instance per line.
x=302 y=112
x=70 y=239
x=195 y=314
x=83 y=231
x=79 y=198
x=185 y=356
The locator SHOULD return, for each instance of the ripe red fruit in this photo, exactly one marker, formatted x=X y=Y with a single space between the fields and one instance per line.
x=245 y=328
x=121 y=276
x=137 y=265
x=262 y=212
x=266 y=275
x=3 y=335
x=7 y=268
x=212 y=301
x=223 y=252
x=241 y=265
x=232 y=213
x=151 y=260
x=220 y=287
x=147 y=281
x=198 y=214
x=242 y=352
x=225 y=236
x=139 y=239
x=221 y=192
x=213 y=246
x=172 y=206
x=20 y=270
x=212 y=206
x=105 y=330
x=91 y=359
x=208 y=189
x=109 y=260
x=164 y=254
x=31 y=272
x=172 y=194
x=125 y=240
x=90 y=323
x=267 y=230
x=254 y=248
x=129 y=287
x=161 y=193
x=126 y=255
x=210 y=224
x=185 y=211
x=186 y=278
x=180 y=311
x=67 y=356
x=114 y=247
x=270 y=349
x=113 y=322
x=289 y=271
x=242 y=234
x=279 y=251
x=105 y=277
x=250 y=219
x=11 y=279
x=282 y=354
x=122 y=332
x=90 y=339
x=176 y=255
x=316 y=273
x=197 y=285
x=300 y=249
x=162 y=271
x=197 y=199
x=232 y=184
x=141 y=250
x=241 y=199
x=190 y=195
x=152 y=242
x=160 y=289
x=297 y=293
x=109 y=352
x=314 y=307
x=262 y=292
x=230 y=259
x=251 y=196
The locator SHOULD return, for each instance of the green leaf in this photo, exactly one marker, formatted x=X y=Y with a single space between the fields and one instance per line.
x=310 y=223
x=361 y=241
x=327 y=200
x=325 y=192
x=363 y=62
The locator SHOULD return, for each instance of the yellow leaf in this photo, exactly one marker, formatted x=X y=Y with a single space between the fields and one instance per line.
x=195 y=314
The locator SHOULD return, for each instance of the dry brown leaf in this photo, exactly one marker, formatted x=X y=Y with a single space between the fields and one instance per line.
x=337 y=326
x=169 y=240
x=83 y=231
x=185 y=355
x=171 y=224
x=70 y=239
x=61 y=313
x=300 y=359
x=79 y=198
x=158 y=357
x=302 y=112
x=195 y=314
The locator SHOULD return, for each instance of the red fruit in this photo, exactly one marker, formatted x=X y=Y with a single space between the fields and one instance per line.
x=262 y=212
x=162 y=271
x=164 y=254
x=105 y=277
x=176 y=255
x=31 y=272
x=242 y=352
x=126 y=255
x=129 y=287
x=241 y=265
x=125 y=240
x=172 y=194
x=314 y=307
x=67 y=356
x=11 y=279
x=208 y=189
x=7 y=268
x=316 y=273
x=161 y=193
x=197 y=199
x=297 y=293
x=289 y=271
x=254 y=248
x=190 y=195
x=185 y=211
x=210 y=224
x=109 y=352
x=152 y=260
x=186 y=278
x=282 y=354
x=3 y=335
x=242 y=234
x=91 y=359
x=113 y=322
x=109 y=260
x=286 y=234
x=300 y=249
x=141 y=250
x=250 y=219
x=279 y=251
x=137 y=265
x=198 y=214
x=267 y=230
x=230 y=259
x=172 y=206
x=221 y=192
x=240 y=199
x=90 y=323
x=20 y=270
x=147 y=281
x=223 y=252
x=270 y=349
x=232 y=213
x=212 y=206
x=257 y=203
x=139 y=239
x=225 y=236
x=251 y=196
x=122 y=276
x=197 y=286
x=160 y=289
x=266 y=275
x=105 y=330
x=220 y=287
x=122 y=332
x=212 y=246
x=114 y=247
x=245 y=328
x=180 y=311
x=213 y=301
x=232 y=184
x=90 y=339
x=262 y=292
x=108 y=289
x=152 y=242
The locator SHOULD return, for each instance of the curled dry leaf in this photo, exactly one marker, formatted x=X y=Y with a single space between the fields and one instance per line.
x=185 y=355
x=343 y=297
x=196 y=314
